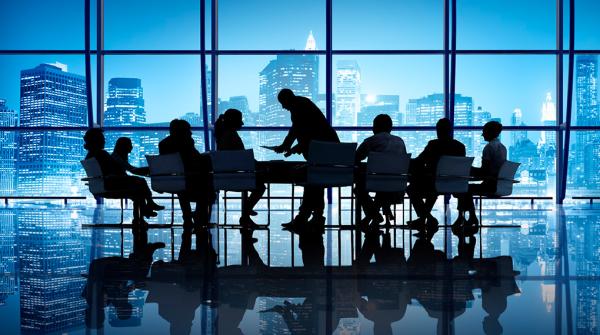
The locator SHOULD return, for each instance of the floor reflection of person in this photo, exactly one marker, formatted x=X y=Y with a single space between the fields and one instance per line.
x=111 y=279
x=308 y=124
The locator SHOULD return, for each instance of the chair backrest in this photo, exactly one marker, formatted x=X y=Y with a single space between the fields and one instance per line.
x=94 y=173
x=167 y=173
x=234 y=170
x=387 y=172
x=330 y=164
x=506 y=176
x=452 y=174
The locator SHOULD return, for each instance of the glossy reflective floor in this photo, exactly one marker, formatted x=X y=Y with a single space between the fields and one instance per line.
x=537 y=273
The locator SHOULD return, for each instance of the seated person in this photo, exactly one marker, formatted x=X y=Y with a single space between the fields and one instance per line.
x=421 y=190
x=121 y=153
x=492 y=158
x=228 y=138
x=197 y=168
x=139 y=191
x=381 y=141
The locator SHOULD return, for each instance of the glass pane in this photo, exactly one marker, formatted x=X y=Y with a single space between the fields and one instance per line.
x=255 y=139
x=535 y=150
x=45 y=90
x=415 y=141
x=251 y=84
x=364 y=86
x=585 y=110
x=508 y=24
x=251 y=25
x=34 y=163
x=42 y=25
x=584 y=160
x=507 y=87
x=151 y=24
x=151 y=90
x=388 y=24
x=586 y=24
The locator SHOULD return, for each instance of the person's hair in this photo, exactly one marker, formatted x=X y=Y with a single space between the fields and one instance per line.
x=494 y=128
x=285 y=95
x=121 y=143
x=93 y=139
x=382 y=122
x=228 y=120
x=443 y=128
x=179 y=127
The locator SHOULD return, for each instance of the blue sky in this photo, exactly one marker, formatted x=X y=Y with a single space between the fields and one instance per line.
x=172 y=85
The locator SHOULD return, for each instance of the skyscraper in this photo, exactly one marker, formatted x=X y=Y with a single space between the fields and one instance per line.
x=548 y=111
x=125 y=108
x=347 y=93
x=8 y=118
x=300 y=73
x=48 y=161
x=586 y=91
x=463 y=116
x=516 y=120
x=480 y=117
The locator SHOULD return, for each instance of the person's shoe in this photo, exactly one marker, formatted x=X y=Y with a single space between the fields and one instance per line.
x=252 y=212
x=148 y=213
x=152 y=247
x=432 y=227
x=458 y=226
x=294 y=224
x=417 y=224
x=472 y=226
x=155 y=207
x=247 y=222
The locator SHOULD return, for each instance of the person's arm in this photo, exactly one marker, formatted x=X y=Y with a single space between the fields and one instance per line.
x=362 y=151
x=288 y=141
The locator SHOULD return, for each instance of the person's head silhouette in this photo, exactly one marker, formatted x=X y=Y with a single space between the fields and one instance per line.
x=286 y=98
x=444 y=129
x=382 y=123
x=93 y=140
x=123 y=146
x=233 y=119
x=180 y=128
x=491 y=130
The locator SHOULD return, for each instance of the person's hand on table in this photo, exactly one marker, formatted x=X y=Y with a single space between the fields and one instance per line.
x=280 y=149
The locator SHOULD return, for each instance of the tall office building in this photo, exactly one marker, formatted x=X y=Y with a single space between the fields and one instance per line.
x=347 y=93
x=463 y=116
x=51 y=260
x=300 y=73
x=125 y=108
x=516 y=120
x=586 y=91
x=8 y=254
x=48 y=161
x=548 y=111
x=480 y=117
x=8 y=118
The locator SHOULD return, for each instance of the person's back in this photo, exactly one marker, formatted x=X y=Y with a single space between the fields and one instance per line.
x=309 y=123
x=495 y=153
x=226 y=128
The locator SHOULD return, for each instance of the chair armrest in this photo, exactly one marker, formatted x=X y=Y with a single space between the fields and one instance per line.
x=457 y=177
x=167 y=175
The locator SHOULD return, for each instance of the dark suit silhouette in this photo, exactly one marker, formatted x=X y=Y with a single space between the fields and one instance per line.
x=308 y=124
x=197 y=168
x=422 y=186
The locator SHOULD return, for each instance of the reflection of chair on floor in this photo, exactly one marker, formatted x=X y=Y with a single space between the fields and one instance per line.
x=234 y=171
x=167 y=175
x=96 y=182
x=387 y=174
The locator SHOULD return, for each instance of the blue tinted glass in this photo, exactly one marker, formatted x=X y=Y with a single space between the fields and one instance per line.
x=507 y=24
x=271 y=24
x=506 y=85
x=388 y=24
x=151 y=24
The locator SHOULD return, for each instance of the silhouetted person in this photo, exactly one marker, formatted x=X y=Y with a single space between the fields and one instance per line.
x=421 y=190
x=135 y=188
x=226 y=133
x=197 y=168
x=308 y=124
x=381 y=141
x=120 y=154
x=492 y=158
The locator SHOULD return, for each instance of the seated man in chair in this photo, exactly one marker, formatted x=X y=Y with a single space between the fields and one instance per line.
x=381 y=141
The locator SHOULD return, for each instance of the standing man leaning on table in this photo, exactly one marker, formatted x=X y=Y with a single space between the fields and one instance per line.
x=308 y=123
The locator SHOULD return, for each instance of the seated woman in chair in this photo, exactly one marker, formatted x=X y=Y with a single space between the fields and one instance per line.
x=120 y=154
x=228 y=138
x=134 y=188
x=492 y=158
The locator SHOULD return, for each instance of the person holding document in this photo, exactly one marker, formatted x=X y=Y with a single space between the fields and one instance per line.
x=308 y=123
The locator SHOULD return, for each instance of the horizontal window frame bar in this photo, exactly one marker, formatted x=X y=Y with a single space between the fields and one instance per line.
x=300 y=52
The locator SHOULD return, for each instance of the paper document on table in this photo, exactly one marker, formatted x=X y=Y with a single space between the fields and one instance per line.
x=272 y=147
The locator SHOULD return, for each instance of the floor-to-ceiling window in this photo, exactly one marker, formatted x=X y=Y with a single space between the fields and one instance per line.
x=132 y=66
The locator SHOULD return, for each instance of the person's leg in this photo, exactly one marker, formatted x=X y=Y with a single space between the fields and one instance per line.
x=186 y=211
x=255 y=197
